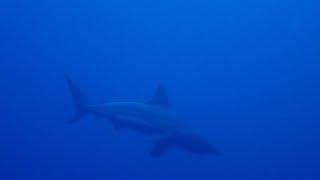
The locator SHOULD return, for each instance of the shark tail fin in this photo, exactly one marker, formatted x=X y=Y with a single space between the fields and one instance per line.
x=161 y=146
x=79 y=99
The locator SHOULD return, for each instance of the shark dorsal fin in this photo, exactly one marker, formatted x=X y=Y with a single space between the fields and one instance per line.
x=160 y=97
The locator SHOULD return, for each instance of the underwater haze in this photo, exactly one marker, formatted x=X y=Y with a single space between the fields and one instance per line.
x=243 y=74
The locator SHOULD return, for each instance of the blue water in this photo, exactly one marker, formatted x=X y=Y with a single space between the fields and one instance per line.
x=243 y=73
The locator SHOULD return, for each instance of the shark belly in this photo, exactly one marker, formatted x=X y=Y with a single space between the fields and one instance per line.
x=139 y=116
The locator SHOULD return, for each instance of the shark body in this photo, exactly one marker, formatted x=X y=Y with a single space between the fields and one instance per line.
x=150 y=118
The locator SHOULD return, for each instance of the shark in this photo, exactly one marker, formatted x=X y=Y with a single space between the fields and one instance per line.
x=151 y=118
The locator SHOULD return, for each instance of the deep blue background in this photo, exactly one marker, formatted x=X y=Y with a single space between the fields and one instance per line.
x=243 y=73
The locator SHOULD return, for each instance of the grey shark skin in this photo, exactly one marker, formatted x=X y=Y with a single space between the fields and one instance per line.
x=124 y=123
x=190 y=142
x=153 y=117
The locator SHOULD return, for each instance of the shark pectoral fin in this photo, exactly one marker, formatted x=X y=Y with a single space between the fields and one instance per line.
x=161 y=146
x=77 y=116
x=116 y=121
x=117 y=125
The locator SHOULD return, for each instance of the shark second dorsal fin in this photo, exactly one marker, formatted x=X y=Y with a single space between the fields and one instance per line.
x=160 y=97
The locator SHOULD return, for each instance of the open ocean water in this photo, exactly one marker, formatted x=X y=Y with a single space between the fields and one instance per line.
x=243 y=74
